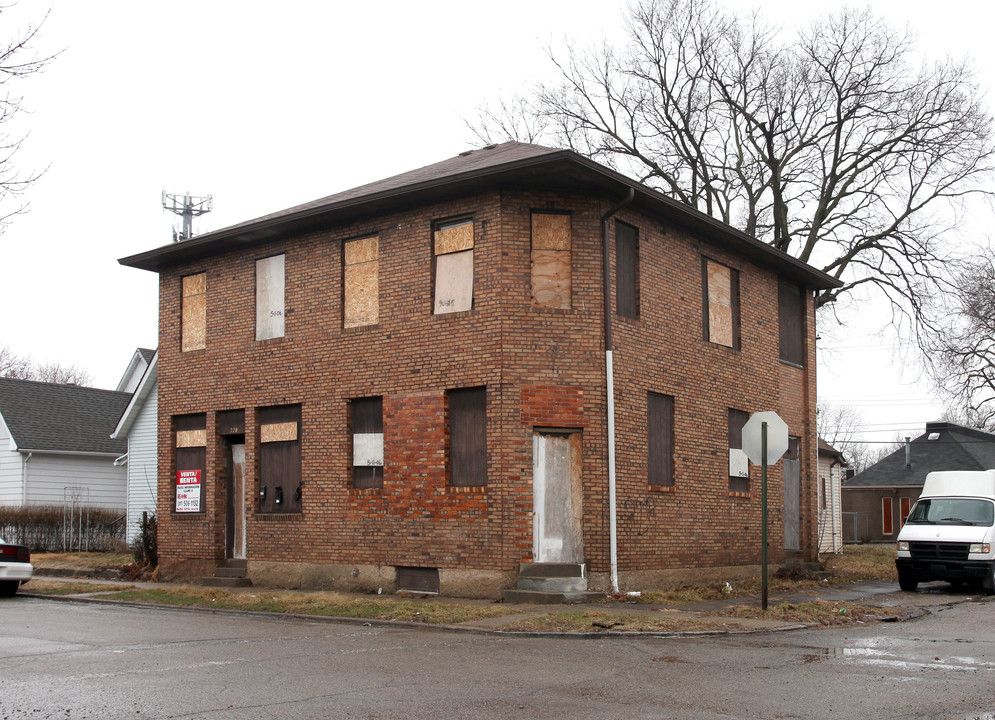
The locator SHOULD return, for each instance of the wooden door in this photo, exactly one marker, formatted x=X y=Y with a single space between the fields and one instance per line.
x=557 y=497
x=792 y=495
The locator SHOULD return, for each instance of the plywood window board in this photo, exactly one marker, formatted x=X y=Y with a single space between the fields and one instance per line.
x=454 y=282
x=270 y=295
x=191 y=438
x=552 y=281
x=193 y=327
x=361 y=282
x=722 y=303
x=278 y=432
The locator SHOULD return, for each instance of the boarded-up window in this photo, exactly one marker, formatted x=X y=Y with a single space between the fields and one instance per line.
x=418 y=579
x=660 y=431
x=453 y=242
x=280 y=459
x=467 y=436
x=367 y=442
x=191 y=455
x=626 y=270
x=361 y=282
x=887 y=517
x=193 y=330
x=721 y=303
x=739 y=464
x=551 y=260
x=270 y=284
x=903 y=509
x=790 y=311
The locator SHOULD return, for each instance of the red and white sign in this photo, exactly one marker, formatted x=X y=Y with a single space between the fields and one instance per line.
x=188 y=491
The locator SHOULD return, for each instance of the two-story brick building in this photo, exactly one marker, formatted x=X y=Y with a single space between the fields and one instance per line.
x=406 y=384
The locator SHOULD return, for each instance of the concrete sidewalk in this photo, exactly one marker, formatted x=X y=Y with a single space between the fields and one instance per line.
x=622 y=618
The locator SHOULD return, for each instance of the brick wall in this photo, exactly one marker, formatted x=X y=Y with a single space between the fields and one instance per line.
x=541 y=368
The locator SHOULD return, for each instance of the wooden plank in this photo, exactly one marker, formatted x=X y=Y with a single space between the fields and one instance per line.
x=193 y=329
x=551 y=278
x=454 y=282
x=720 y=325
x=362 y=294
x=660 y=428
x=191 y=438
x=362 y=250
x=550 y=231
x=454 y=238
x=367 y=449
x=278 y=432
x=719 y=285
x=195 y=284
x=468 y=436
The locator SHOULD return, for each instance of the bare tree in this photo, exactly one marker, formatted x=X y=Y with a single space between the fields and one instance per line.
x=833 y=143
x=840 y=426
x=964 y=353
x=21 y=367
x=18 y=60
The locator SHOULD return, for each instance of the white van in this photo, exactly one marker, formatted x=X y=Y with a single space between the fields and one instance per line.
x=950 y=533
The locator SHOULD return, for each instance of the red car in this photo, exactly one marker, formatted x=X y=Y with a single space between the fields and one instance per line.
x=15 y=567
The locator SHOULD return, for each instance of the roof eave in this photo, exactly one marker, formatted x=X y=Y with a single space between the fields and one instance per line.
x=307 y=218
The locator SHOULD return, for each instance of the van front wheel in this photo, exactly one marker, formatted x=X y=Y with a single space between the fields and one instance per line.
x=907 y=581
x=988 y=584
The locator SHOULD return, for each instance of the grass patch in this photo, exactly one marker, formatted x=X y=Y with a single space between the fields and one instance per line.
x=863 y=563
x=54 y=587
x=818 y=612
x=328 y=604
x=92 y=561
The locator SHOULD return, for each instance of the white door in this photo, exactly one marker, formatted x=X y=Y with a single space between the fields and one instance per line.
x=557 y=498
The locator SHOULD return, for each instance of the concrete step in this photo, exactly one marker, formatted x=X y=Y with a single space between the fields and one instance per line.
x=226 y=582
x=547 y=570
x=232 y=563
x=230 y=572
x=553 y=584
x=549 y=598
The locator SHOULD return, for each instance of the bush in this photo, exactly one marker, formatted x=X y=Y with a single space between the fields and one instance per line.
x=57 y=528
x=145 y=546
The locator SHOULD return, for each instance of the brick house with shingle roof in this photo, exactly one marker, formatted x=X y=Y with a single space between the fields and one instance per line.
x=877 y=500
x=55 y=444
x=406 y=384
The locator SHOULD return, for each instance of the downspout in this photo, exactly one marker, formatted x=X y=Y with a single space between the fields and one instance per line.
x=24 y=480
x=832 y=502
x=610 y=388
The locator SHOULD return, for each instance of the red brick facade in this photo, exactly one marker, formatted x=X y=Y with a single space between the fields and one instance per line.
x=542 y=368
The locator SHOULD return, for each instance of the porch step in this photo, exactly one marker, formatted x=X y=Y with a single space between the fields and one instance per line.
x=231 y=574
x=551 y=583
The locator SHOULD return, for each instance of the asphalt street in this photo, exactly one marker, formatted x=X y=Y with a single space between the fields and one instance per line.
x=68 y=660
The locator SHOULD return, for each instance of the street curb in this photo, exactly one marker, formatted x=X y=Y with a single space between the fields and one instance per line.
x=369 y=622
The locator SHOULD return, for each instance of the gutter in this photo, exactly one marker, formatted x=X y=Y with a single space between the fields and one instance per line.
x=610 y=388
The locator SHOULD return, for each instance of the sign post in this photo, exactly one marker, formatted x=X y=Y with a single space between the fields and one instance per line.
x=765 y=439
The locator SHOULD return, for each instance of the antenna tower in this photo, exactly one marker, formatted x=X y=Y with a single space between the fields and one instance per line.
x=188 y=207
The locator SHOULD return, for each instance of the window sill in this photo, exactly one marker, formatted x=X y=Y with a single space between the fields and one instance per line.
x=201 y=514
x=467 y=489
x=791 y=364
x=737 y=494
x=662 y=488
x=278 y=517
x=353 y=490
x=360 y=328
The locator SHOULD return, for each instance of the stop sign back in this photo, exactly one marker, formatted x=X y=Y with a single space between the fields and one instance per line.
x=777 y=437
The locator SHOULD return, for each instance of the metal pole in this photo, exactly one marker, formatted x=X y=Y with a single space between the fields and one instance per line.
x=763 y=515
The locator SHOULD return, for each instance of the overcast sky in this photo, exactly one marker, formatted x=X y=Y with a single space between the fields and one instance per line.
x=268 y=105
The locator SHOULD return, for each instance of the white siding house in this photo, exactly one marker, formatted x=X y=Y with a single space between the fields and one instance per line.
x=138 y=425
x=55 y=445
x=830 y=499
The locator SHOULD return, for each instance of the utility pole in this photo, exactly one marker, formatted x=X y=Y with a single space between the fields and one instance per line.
x=188 y=207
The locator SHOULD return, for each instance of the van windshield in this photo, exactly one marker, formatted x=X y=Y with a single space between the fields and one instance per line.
x=952 y=511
